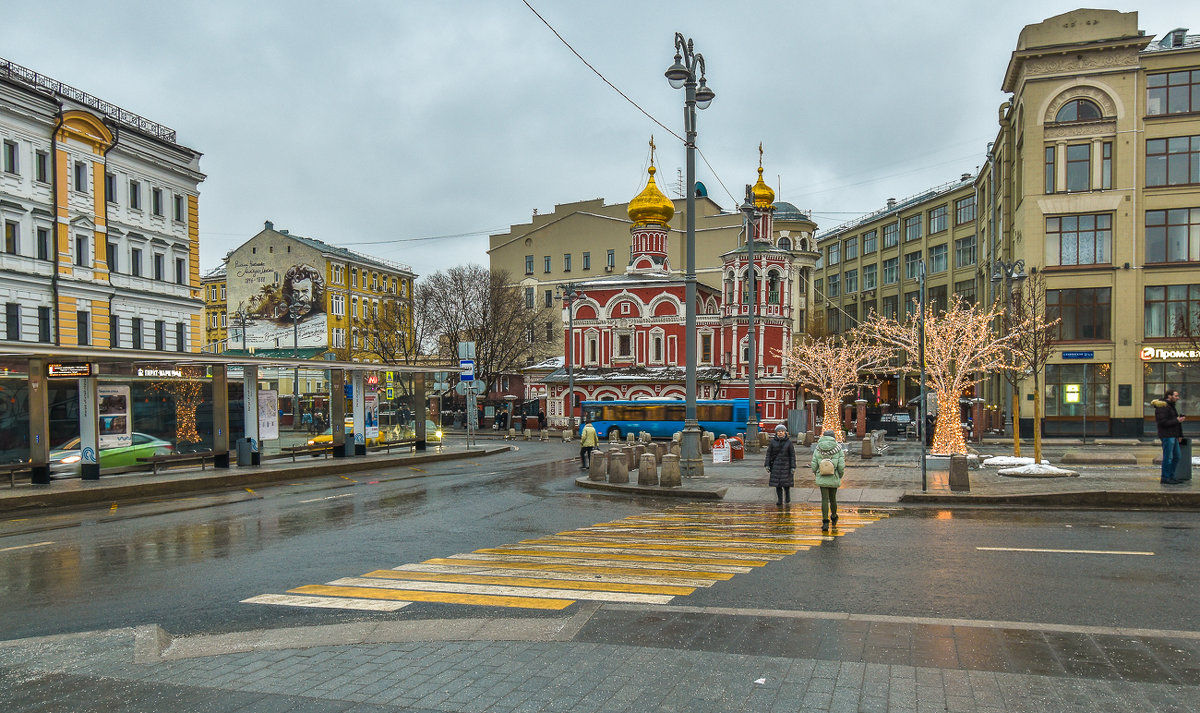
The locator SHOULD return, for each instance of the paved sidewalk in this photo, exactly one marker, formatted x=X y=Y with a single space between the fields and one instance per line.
x=896 y=477
x=614 y=658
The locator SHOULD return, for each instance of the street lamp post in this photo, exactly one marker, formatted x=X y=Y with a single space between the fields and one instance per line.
x=922 y=423
x=687 y=73
x=1008 y=272
x=749 y=213
x=569 y=293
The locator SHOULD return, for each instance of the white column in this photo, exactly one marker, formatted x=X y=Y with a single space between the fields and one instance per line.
x=89 y=432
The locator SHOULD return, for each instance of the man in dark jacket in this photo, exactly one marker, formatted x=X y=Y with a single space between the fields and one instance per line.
x=781 y=464
x=1170 y=430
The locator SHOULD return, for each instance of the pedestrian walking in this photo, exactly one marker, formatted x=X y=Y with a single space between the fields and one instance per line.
x=541 y=420
x=781 y=464
x=588 y=440
x=828 y=467
x=1170 y=431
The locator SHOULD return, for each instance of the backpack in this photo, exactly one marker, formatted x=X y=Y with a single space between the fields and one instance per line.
x=826 y=467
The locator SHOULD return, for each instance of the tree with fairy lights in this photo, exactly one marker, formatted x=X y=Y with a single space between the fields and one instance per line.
x=833 y=366
x=187 y=391
x=961 y=348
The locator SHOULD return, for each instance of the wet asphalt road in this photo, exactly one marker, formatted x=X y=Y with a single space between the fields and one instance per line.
x=186 y=563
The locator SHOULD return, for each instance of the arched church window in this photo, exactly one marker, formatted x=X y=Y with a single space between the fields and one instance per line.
x=1078 y=110
x=773 y=288
x=785 y=243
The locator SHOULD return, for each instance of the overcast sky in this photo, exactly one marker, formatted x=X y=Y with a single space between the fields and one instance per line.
x=410 y=130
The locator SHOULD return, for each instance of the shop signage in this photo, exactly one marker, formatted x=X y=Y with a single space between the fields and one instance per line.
x=68 y=371
x=1156 y=354
x=158 y=373
x=1079 y=355
x=1072 y=393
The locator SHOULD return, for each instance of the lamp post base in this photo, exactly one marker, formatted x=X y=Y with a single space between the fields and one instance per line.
x=752 y=437
x=691 y=462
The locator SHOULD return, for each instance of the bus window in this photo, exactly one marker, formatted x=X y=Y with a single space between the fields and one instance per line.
x=674 y=412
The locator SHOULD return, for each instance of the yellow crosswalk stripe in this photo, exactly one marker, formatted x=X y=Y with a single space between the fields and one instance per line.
x=774 y=544
x=503 y=591
x=584 y=553
x=536 y=563
x=660 y=546
x=443 y=597
x=516 y=581
x=584 y=574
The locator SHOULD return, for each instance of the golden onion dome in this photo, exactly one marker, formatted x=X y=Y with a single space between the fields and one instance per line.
x=763 y=195
x=651 y=206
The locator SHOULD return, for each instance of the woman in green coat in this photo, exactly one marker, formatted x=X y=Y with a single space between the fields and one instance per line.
x=828 y=449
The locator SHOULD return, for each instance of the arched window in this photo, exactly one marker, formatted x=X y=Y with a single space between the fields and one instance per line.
x=1078 y=110
x=729 y=289
x=785 y=244
x=773 y=288
x=658 y=348
x=745 y=351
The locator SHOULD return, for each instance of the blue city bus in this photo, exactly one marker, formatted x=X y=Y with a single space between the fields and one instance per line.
x=663 y=417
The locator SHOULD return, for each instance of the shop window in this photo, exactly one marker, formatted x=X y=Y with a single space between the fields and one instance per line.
x=1083 y=314
x=1072 y=389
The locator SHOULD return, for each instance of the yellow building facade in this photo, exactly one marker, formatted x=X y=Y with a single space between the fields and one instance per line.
x=216 y=311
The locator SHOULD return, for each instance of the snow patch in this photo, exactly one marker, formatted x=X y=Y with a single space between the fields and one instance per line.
x=1037 y=471
x=1009 y=462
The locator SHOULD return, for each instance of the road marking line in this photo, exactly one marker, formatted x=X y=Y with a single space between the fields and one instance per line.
x=289 y=600
x=637 y=556
x=660 y=541
x=588 y=562
x=1065 y=552
x=352 y=480
x=248 y=490
x=581 y=574
x=593 y=545
x=497 y=590
x=675 y=536
x=113 y=508
x=328 y=497
x=25 y=547
x=519 y=581
x=443 y=597
x=419 y=470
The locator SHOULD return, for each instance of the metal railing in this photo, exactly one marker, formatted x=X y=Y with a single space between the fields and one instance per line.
x=13 y=70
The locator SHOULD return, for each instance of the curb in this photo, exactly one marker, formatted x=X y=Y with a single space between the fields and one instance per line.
x=652 y=490
x=105 y=492
x=1088 y=498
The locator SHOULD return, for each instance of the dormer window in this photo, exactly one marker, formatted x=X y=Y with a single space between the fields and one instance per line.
x=1078 y=110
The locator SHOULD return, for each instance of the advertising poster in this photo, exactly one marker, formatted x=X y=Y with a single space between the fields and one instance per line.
x=371 y=415
x=268 y=415
x=116 y=421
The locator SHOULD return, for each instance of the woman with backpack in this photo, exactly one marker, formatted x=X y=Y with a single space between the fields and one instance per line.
x=781 y=464
x=828 y=466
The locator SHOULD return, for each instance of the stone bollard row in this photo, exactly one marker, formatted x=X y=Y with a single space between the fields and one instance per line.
x=647 y=471
x=670 y=475
x=618 y=466
x=598 y=469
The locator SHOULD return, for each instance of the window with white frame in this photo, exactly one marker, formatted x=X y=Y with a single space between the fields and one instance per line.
x=870 y=275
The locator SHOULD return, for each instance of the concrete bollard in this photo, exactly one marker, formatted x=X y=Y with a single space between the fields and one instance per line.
x=512 y=434
x=676 y=437
x=629 y=438
x=764 y=439
x=631 y=463
x=660 y=449
x=598 y=469
x=638 y=451
x=528 y=434
x=618 y=467
x=676 y=449
x=960 y=476
x=566 y=435
x=613 y=437
x=706 y=441
x=543 y=435
x=670 y=477
x=808 y=438
x=647 y=470
x=868 y=451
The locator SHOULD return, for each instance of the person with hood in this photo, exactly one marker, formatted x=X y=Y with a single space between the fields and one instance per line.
x=828 y=466
x=1170 y=430
x=781 y=464
x=588 y=440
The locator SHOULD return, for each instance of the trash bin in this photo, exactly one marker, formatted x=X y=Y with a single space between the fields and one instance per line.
x=246 y=452
x=737 y=449
x=1183 y=469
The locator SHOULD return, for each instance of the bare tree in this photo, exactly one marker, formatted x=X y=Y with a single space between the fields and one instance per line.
x=1036 y=336
x=469 y=303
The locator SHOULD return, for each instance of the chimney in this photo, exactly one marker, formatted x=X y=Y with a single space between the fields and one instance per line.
x=891 y=203
x=268 y=225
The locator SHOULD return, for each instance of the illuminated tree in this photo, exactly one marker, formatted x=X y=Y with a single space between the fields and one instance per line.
x=961 y=347
x=833 y=366
x=187 y=392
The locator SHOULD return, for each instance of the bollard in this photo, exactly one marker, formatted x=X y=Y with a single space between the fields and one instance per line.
x=613 y=436
x=670 y=478
x=764 y=439
x=660 y=449
x=647 y=471
x=675 y=449
x=630 y=458
x=618 y=466
x=528 y=434
x=808 y=438
x=629 y=438
x=599 y=466
x=677 y=437
x=543 y=435
x=512 y=435
x=706 y=441
x=868 y=451
x=566 y=435
x=960 y=477
x=638 y=451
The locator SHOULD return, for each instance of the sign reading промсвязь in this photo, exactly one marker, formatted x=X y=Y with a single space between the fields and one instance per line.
x=1153 y=353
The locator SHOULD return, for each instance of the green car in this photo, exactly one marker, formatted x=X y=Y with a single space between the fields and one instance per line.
x=64 y=460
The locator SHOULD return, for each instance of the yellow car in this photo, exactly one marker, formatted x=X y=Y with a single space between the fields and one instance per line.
x=326 y=436
x=433 y=434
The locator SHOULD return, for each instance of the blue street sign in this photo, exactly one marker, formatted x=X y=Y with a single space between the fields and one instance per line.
x=1078 y=355
x=466 y=368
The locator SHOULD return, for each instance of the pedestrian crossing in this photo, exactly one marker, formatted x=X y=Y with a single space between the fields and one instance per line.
x=650 y=558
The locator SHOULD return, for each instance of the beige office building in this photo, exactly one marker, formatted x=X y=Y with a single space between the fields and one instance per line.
x=1094 y=181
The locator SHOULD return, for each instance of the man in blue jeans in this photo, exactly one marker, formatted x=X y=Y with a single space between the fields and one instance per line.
x=1170 y=430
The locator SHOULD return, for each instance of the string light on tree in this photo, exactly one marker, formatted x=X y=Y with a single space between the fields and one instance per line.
x=833 y=366
x=187 y=393
x=961 y=348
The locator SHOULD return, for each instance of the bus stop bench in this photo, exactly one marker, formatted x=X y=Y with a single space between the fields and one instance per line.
x=387 y=446
x=172 y=458
x=324 y=449
x=12 y=471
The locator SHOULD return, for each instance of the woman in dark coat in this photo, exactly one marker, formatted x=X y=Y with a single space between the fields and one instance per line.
x=781 y=464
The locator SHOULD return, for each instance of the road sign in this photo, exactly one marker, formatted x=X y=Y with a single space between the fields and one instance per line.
x=466 y=368
x=389 y=376
x=390 y=393
x=1079 y=355
x=466 y=350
